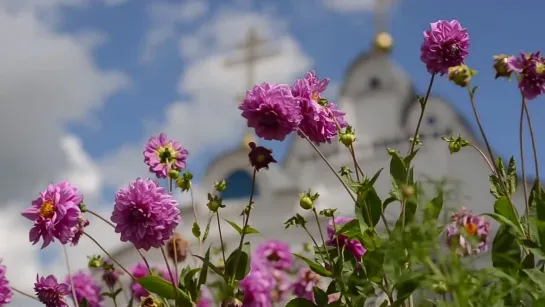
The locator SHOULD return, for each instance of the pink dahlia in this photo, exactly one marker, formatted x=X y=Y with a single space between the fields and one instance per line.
x=281 y=285
x=5 y=289
x=205 y=299
x=110 y=276
x=50 y=292
x=445 y=45
x=86 y=289
x=353 y=246
x=145 y=214
x=532 y=73
x=273 y=254
x=257 y=287
x=320 y=122
x=55 y=214
x=162 y=155
x=141 y=270
x=468 y=233
x=271 y=110
x=303 y=287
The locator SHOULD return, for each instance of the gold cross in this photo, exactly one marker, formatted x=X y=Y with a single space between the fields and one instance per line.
x=383 y=39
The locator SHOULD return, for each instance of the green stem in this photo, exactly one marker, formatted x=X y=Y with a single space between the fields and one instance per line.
x=315 y=243
x=172 y=280
x=523 y=166
x=221 y=238
x=322 y=235
x=249 y=210
x=532 y=138
x=110 y=256
x=70 y=277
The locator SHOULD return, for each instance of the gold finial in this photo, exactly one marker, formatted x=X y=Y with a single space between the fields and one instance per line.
x=248 y=137
x=384 y=42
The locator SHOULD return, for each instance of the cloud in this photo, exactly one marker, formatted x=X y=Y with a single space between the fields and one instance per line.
x=208 y=121
x=164 y=18
x=350 y=6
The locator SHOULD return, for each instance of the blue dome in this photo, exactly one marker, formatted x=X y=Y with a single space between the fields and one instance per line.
x=239 y=185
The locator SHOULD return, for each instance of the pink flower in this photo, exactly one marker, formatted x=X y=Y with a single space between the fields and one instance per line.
x=56 y=214
x=273 y=254
x=162 y=155
x=351 y=245
x=85 y=288
x=320 y=122
x=50 y=292
x=145 y=214
x=445 y=45
x=466 y=227
x=532 y=71
x=271 y=110
x=205 y=299
x=5 y=289
x=304 y=285
x=257 y=287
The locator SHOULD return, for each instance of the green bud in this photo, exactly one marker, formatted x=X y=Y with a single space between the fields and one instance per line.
x=328 y=212
x=440 y=287
x=347 y=139
x=408 y=191
x=95 y=261
x=220 y=186
x=82 y=207
x=345 y=171
x=184 y=182
x=454 y=147
x=214 y=203
x=461 y=74
x=173 y=174
x=501 y=67
x=307 y=247
x=306 y=203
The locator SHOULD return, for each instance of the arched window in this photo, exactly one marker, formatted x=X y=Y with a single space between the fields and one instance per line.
x=239 y=185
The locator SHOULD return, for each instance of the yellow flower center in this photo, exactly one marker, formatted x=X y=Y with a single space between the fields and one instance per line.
x=471 y=229
x=260 y=158
x=540 y=68
x=166 y=154
x=47 y=209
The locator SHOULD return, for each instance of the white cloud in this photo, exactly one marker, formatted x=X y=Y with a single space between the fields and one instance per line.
x=165 y=17
x=348 y=6
x=209 y=121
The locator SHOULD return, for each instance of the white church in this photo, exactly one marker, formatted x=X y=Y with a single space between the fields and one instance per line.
x=380 y=103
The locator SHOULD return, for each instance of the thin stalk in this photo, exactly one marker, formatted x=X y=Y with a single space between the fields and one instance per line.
x=523 y=166
x=339 y=254
x=322 y=235
x=70 y=277
x=110 y=256
x=532 y=138
x=175 y=258
x=221 y=239
x=113 y=226
x=172 y=280
x=314 y=241
x=485 y=159
x=329 y=165
x=24 y=293
x=250 y=203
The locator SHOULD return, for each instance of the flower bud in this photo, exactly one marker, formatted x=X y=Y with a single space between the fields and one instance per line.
x=184 y=182
x=95 y=261
x=173 y=174
x=220 y=186
x=347 y=139
x=231 y=302
x=214 y=203
x=454 y=147
x=461 y=74
x=440 y=287
x=306 y=200
x=501 y=67
x=408 y=191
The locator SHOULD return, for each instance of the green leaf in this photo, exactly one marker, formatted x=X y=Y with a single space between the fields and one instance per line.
x=320 y=297
x=243 y=266
x=207 y=229
x=131 y=301
x=300 y=302
x=204 y=269
x=434 y=207
x=249 y=230
x=503 y=206
x=405 y=288
x=398 y=169
x=504 y=221
x=506 y=251
x=374 y=178
x=537 y=201
x=512 y=179
x=211 y=266
x=159 y=286
x=374 y=265
x=370 y=206
x=196 y=230
x=350 y=229
x=318 y=269
x=410 y=212
x=537 y=277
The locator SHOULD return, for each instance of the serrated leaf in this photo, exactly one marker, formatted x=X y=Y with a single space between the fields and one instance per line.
x=317 y=268
x=207 y=229
x=537 y=277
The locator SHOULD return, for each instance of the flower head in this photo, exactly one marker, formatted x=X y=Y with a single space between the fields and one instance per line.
x=50 y=292
x=55 y=214
x=110 y=276
x=273 y=254
x=304 y=285
x=162 y=155
x=86 y=289
x=281 y=285
x=145 y=214
x=177 y=247
x=5 y=290
x=468 y=233
x=321 y=121
x=260 y=157
x=501 y=66
x=531 y=68
x=445 y=45
x=353 y=246
x=271 y=110
x=257 y=287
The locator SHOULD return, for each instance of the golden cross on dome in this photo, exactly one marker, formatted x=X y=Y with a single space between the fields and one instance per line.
x=383 y=40
x=251 y=56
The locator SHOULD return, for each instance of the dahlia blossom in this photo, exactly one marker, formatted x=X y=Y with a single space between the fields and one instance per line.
x=320 y=123
x=85 y=288
x=110 y=276
x=273 y=254
x=445 y=45
x=303 y=287
x=56 y=214
x=205 y=299
x=353 y=246
x=532 y=73
x=271 y=110
x=50 y=292
x=162 y=155
x=281 y=285
x=5 y=290
x=468 y=233
x=260 y=157
x=141 y=270
x=145 y=214
x=257 y=287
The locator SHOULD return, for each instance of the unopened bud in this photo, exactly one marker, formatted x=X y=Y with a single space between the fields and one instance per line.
x=95 y=261
x=347 y=139
x=173 y=174
x=214 y=203
x=220 y=186
x=501 y=67
x=454 y=147
x=306 y=200
x=461 y=74
x=184 y=182
x=440 y=287
x=408 y=191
